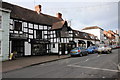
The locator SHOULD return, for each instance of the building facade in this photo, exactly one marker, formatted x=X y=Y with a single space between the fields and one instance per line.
x=29 y=32
x=97 y=31
x=35 y=33
x=111 y=38
x=4 y=33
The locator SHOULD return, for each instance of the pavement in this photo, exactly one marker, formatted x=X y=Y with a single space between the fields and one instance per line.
x=29 y=61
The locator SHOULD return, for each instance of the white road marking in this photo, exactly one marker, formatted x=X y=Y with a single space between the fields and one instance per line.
x=86 y=60
x=93 y=68
x=98 y=56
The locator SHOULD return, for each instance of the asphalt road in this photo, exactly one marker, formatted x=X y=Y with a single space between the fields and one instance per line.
x=90 y=66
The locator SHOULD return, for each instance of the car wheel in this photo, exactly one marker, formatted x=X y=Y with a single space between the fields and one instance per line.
x=111 y=51
x=99 y=52
x=81 y=54
x=71 y=55
x=87 y=53
x=108 y=52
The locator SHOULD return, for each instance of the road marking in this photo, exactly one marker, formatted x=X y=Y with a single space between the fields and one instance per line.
x=98 y=56
x=86 y=60
x=93 y=68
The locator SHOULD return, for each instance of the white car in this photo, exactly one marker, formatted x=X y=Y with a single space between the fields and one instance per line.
x=104 y=49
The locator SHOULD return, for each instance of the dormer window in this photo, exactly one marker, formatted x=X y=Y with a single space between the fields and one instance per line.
x=17 y=26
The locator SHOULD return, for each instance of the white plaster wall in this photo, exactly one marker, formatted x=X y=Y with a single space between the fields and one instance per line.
x=54 y=50
x=96 y=32
x=27 y=48
x=5 y=35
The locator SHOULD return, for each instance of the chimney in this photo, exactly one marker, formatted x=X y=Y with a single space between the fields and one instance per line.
x=38 y=9
x=116 y=31
x=59 y=15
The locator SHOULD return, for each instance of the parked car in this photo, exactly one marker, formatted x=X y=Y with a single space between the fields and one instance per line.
x=78 y=51
x=104 y=49
x=114 y=46
x=118 y=46
x=92 y=49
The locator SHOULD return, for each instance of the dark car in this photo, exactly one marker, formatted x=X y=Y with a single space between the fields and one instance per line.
x=78 y=51
x=92 y=49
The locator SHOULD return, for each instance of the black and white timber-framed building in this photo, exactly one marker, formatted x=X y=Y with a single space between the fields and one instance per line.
x=29 y=30
x=34 y=33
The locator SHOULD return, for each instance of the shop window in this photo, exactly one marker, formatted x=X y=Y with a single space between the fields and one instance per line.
x=18 y=26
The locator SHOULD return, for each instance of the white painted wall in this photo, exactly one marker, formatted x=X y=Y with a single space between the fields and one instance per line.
x=96 y=32
x=27 y=48
x=4 y=34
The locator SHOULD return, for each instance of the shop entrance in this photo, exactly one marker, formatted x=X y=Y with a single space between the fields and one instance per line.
x=18 y=46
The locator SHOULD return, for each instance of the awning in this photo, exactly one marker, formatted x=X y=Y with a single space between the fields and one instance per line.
x=81 y=42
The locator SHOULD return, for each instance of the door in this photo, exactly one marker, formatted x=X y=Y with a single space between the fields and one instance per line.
x=63 y=48
x=18 y=45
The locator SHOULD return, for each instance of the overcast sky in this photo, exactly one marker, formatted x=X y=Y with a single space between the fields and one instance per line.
x=80 y=13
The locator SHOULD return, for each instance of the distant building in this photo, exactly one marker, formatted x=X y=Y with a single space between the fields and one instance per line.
x=111 y=38
x=4 y=33
x=84 y=39
x=97 y=31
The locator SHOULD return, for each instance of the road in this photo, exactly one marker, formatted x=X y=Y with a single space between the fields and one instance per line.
x=90 y=66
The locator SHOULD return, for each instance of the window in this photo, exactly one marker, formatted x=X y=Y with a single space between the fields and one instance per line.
x=53 y=45
x=57 y=33
x=18 y=26
x=0 y=47
x=0 y=21
x=39 y=34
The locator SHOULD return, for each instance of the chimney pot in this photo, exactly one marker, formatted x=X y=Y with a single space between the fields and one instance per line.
x=59 y=15
x=38 y=9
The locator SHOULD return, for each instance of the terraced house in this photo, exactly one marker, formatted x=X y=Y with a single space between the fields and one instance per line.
x=34 y=33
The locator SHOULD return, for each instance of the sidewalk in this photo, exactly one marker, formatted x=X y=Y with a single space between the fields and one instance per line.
x=28 y=61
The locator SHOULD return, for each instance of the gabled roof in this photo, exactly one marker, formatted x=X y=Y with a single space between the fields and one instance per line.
x=92 y=27
x=24 y=14
x=60 y=25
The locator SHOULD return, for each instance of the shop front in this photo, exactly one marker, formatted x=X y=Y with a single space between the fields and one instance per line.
x=40 y=47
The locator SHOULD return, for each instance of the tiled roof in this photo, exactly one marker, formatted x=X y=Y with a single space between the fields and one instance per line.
x=109 y=35
x=83 y=35
x=60 y=24
x=93 y=27
x=24 y=14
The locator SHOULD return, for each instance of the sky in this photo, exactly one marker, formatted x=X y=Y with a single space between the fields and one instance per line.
x=79 y=13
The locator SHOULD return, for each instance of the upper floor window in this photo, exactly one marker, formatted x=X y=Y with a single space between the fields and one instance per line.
x=0 y=47
x=39 y=34
x=18 y=26
x=57 y=33
x=0 y=21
